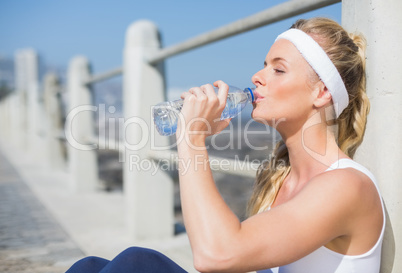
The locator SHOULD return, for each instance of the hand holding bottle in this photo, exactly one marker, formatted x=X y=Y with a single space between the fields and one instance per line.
x=202 y=110
x=166 y=114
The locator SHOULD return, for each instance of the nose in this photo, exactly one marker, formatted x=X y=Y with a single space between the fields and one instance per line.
x=257 y=79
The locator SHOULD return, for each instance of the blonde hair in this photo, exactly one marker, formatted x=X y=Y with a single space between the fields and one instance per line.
x=347 y=52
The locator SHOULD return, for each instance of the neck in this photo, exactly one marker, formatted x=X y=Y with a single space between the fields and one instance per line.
x=312 y=149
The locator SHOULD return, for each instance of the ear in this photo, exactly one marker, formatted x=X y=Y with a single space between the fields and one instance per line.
x=321 y=95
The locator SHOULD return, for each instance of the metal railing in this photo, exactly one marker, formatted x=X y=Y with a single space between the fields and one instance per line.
x=104 y=76
x=266 y=17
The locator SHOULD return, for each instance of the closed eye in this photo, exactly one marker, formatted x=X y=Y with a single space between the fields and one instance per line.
x=278 y=70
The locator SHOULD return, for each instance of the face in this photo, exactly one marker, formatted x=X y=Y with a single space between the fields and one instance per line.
x=283 y=87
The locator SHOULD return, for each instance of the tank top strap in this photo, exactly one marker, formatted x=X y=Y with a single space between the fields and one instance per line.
x=344 y=163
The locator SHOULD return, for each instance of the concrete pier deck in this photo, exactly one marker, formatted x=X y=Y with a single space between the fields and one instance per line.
x=45 y=227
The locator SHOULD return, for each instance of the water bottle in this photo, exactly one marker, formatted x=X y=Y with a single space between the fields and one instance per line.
x=166 y=114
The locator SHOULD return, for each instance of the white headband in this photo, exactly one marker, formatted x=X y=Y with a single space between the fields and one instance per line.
x=322 y=65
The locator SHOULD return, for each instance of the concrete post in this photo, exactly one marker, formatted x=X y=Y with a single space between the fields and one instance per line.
x=11 y=111
x=8 y=109
x=79 y=128
x=20 y=130
x=35 y=143
x=148 y=194
x=380 y=22
x=5 y=118
x=26 y=83
x=53 y=125
x=13 y=128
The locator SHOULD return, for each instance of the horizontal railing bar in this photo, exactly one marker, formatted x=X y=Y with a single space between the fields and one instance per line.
x=269 y=16
x=100 y=142
x=104 y=76
x=220 y=164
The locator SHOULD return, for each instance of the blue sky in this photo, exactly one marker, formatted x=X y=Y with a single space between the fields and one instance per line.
x=61 y=29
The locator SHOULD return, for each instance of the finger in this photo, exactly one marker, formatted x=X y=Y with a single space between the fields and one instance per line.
x=185 y=95
x=209 y=90
x=197 y=92
x=223 y=90
x=182 y=95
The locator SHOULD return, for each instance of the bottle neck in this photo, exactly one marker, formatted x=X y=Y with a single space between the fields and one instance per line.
x=249 y=91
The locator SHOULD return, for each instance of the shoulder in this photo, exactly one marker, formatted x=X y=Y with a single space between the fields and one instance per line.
x=343 y=189
x=347 y=183
x=347 y=180
x=331 y=195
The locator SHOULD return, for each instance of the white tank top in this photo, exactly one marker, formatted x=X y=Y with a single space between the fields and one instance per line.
x=324 y=260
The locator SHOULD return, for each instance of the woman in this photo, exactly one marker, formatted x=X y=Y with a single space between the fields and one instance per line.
x=313 y=209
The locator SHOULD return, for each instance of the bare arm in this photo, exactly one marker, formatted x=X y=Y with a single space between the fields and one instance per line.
x=204 y=210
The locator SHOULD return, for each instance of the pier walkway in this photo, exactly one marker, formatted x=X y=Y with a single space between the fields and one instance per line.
x=45 y=228
x=31 y=240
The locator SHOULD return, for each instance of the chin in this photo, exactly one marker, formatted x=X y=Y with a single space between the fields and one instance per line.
x=259 y=118
x=266 y=118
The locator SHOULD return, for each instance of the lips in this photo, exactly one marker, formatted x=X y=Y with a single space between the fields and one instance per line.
x=258 y=97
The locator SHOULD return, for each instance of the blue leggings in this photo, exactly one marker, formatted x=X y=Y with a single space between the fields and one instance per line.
x=131 y=260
